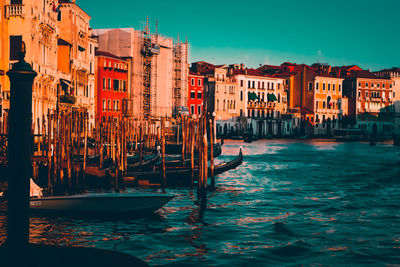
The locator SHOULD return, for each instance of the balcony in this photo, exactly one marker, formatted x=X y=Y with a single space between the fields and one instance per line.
x=376 y=99
x=48 y=23
x=327 y=111
x=15 y=10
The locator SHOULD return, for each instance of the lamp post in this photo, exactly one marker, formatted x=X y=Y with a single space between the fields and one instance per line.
x=19 y=159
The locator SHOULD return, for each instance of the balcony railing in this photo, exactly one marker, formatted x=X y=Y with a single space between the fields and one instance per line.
x=14 y=10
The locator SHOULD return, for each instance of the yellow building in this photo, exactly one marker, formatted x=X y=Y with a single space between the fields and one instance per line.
x=76 y=55
x=33 y=22
x=3 y=52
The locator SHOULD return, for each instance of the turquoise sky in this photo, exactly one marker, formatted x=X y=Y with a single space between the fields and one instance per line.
x=338 y=32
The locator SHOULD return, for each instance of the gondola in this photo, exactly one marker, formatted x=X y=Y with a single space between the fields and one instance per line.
x=179 y=175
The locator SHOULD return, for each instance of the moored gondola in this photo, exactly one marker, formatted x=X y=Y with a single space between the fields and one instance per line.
x=179 y=175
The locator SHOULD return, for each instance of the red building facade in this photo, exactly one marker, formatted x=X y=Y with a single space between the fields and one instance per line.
x=196 y=93
x=111 y=84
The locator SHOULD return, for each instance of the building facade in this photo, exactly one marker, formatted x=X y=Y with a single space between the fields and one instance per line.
x=76 y=57
x=111 y=84
x=195 y=94
x=35 y=23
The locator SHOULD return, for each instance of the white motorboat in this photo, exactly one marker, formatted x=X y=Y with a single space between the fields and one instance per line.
x=102 y=203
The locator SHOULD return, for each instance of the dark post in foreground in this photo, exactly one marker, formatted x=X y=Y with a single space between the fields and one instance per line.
x=19 y=160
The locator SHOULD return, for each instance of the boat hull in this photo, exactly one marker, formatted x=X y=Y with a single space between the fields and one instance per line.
x=110 y=203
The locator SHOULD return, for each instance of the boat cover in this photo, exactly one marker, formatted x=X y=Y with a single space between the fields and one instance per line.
x=35 y=190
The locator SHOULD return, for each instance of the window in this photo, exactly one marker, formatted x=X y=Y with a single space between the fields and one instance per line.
x=192 y=82
x=359 y=93
x=372 y=85
x=378 y=85
x=105 y=64
x=316 y=105
x=199 y=95
x=340 y=87
x=223 y=107
x=248 y=84
x=366 y=84
x=104 y=105
x=104 y=83
x=333 y=87
x=263 y=85
x=310 y=86
x=109 y=104
x=383 y=85
x=317 y=86
x=15 y=46
x=323 y=86
x=199 y=109
x=124 y=86
x=59 y=16
x=199 y=82
x=323 y=104
x=241 y=95
x=217 y=104
x=109 y=84
x=272 y=86
x=366 y=93
x=192 y=94
x=329 y=87
x=116 y=85
x=359 y=84
x=253 y=84
x=241 y=83
x=192 y=109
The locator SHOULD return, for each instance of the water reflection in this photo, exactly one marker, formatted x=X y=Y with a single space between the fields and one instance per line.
x=291 y=202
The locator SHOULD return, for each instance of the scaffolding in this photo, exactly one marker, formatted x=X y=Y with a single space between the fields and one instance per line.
x=146 y=70
x=177 y=74
x=149 y=52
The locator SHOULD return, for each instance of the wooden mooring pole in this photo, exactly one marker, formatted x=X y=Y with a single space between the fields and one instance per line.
x=19 y=161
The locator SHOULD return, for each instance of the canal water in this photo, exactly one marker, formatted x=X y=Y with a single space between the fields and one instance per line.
x=291 y=202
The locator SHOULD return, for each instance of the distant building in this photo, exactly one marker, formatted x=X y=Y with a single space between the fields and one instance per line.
x=195 y=94
x=370 y=102
x=111 y=84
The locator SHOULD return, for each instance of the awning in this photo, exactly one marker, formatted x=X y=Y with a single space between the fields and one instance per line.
x=271 y=98
x=80 y=48
x=63 y=42
x=252 y=96
x=66 y=82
